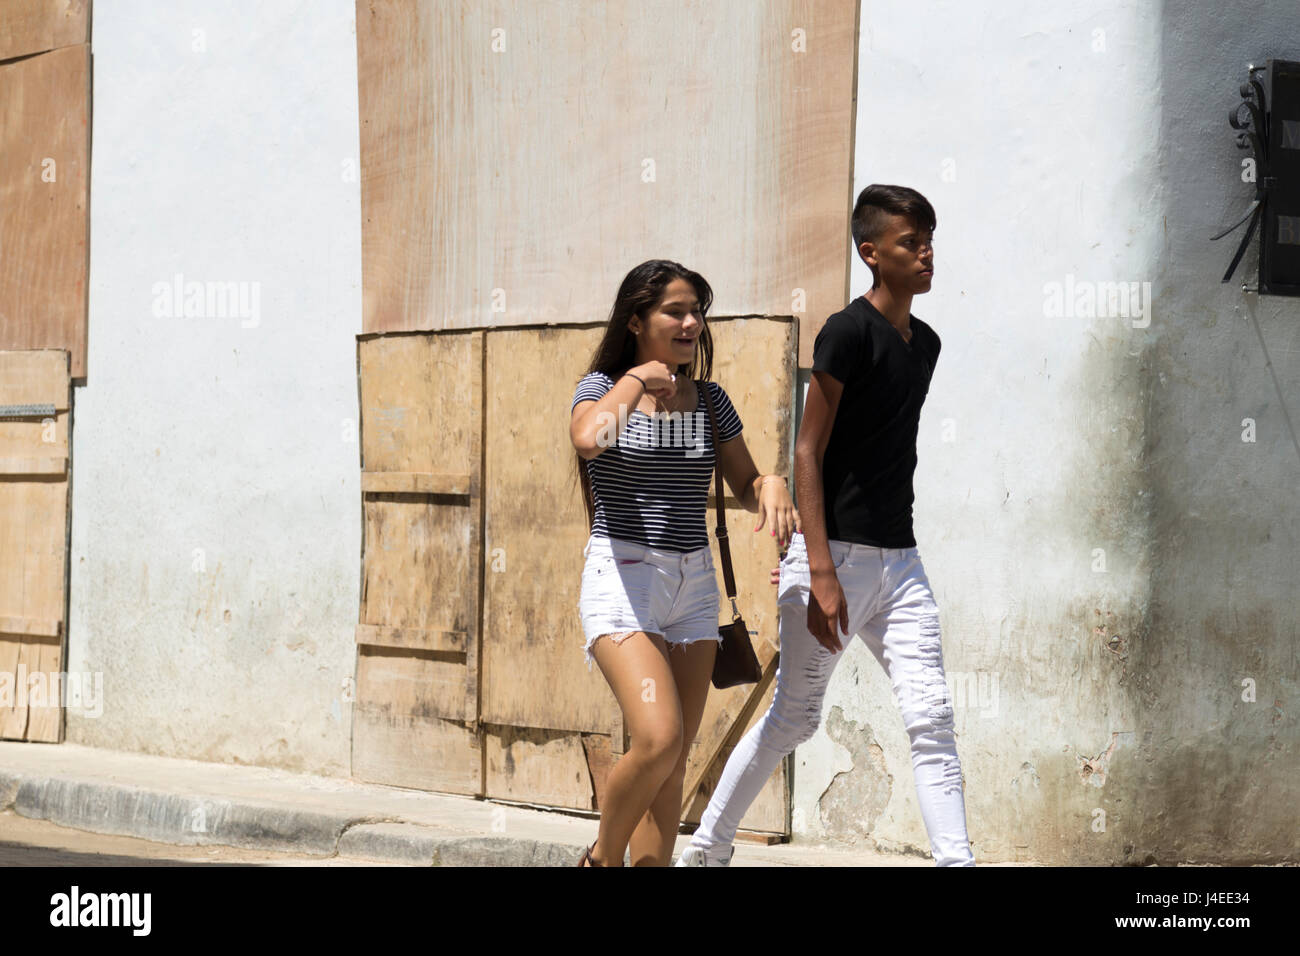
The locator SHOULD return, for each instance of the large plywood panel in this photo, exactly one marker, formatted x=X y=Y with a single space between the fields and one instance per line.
x=754 y=360
x=44 y=165
x=421 y=411
x=534 y=672
x=34 y=26
x=415 y=721
x=33 y=541
x=518 y=158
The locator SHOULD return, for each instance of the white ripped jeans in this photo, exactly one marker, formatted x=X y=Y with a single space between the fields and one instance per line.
x=891 y=608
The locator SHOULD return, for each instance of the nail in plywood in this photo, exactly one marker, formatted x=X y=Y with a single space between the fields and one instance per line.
x=490 y=198
x=44 y=164
x=34 y=26
x=33 y=546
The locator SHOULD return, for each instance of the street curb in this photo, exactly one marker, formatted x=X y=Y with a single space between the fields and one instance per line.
x=421 y=846
x=8 y=789
x=176 y=818
x=192 y=820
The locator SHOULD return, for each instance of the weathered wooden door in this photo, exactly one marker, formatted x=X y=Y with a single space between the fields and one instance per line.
x=35 y=404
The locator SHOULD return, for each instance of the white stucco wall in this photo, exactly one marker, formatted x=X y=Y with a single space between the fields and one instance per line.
x=215 y=529
x=1085 y=507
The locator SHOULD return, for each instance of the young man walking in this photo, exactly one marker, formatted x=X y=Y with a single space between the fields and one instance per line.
x=855 y=570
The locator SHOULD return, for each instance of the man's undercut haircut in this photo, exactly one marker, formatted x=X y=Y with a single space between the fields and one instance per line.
x=877 y=203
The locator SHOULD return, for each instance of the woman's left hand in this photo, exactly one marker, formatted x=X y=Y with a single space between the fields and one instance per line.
x=776 y=509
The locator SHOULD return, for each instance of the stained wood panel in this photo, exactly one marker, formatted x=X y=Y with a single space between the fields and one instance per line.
x=534 y=672
x=44 y=166
x=424 y=753
x=416 y=709
x=514 y=169
x=33 y=539
x=34 y=26
x=754 y=359
x=545 y=767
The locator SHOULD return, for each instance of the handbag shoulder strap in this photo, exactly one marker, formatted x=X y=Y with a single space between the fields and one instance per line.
x=724 y=549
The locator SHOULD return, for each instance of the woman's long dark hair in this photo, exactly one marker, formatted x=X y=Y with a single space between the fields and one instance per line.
x=643 y=289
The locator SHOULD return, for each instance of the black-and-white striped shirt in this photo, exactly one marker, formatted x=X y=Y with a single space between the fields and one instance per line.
x=651 y=483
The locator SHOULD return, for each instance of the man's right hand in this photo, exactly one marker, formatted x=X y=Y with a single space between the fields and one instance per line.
x=826 y=608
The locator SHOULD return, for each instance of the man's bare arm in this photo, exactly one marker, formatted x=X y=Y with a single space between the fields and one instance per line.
x=828 y=613
x=820 y=406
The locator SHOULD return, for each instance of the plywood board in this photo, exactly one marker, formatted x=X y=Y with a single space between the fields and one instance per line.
x=420 y=404
x=535 y=528
x=34 y=378
x=415 y=721
x=44 y=167
x=424 y=753
x=33 y=543
x=544 y=767
x=754 y=358
x=34 y=26
x=513 y=169
x=421 y=400
x=817 y=168
x=417 y=683
x=420 y=566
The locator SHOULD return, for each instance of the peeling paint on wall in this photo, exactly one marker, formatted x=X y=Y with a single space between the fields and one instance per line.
x=855 y=798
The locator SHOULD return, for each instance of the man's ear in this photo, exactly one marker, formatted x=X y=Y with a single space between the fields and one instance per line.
x=867 y=250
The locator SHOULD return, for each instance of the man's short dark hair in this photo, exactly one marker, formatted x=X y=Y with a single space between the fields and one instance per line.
x=877 y=203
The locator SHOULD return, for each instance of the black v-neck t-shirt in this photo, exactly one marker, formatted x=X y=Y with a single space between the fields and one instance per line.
x=871 y=454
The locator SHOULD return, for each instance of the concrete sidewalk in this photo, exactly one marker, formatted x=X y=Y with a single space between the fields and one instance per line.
x=189 y=802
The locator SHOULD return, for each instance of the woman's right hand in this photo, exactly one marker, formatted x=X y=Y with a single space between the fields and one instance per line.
x=658 y=379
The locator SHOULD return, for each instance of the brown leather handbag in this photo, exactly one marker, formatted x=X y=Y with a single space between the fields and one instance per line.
x=736 y=662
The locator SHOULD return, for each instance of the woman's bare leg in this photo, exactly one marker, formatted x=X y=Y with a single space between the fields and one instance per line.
x=652 y=841
x=639 y=673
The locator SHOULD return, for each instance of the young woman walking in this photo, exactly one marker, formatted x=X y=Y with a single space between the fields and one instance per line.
x=649 y=599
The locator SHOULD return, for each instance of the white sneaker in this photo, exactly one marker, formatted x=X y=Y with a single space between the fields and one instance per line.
x=698 y=856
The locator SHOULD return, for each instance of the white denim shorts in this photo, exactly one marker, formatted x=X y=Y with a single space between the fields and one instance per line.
x=627 y=587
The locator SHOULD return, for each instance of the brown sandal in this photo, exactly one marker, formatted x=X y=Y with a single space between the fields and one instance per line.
x=587 y=859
